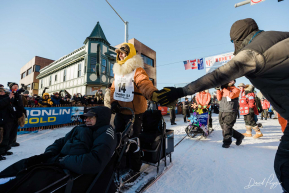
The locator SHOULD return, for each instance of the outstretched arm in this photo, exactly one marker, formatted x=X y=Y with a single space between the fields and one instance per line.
x=243 y=64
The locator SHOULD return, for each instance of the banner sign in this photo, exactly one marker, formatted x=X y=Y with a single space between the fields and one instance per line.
x=38 y=117
x=214 y=62
x=253 y=2
x=76 y=112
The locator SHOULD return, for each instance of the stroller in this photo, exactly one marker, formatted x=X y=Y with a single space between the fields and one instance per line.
x=64 y=181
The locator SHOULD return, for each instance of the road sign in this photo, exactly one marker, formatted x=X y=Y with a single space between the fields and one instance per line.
x=253 y=2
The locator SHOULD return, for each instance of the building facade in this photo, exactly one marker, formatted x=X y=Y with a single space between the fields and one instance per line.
x=83 y=71
x=89 y=68
x=30 y=71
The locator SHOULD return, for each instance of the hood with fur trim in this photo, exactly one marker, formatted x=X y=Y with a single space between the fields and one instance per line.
x=129 y=49
x=129 y=66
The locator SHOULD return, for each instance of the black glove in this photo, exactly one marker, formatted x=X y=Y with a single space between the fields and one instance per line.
x=168 y=95
x=115 y=107
x=37 y=159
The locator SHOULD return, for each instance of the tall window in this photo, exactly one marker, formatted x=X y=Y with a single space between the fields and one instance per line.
x=147 y=60
x=23 y=75
x=93 y=60
x=50 y=79
x=103 y=66
x=29 y=71
x=55 y=77
x=41 y=83
x=64 y=75
x=79 y=70
x=28 y=87
x=111 y=69
x=36 y=68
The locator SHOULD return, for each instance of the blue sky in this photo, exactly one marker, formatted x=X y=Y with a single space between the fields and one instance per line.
x=176 y=30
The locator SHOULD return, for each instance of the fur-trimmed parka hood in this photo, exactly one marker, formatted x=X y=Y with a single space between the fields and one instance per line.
x=129 y=66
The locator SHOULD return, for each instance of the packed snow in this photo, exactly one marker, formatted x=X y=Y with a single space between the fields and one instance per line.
x=198 y=165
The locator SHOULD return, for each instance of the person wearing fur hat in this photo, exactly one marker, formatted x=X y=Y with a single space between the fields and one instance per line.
x=228 y=96
x=131 y=88
x=45 y=101
x=249 y=110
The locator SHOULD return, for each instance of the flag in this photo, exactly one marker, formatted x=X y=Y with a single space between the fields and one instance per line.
x=200 y=64
x=194 y=64
x=187 y=65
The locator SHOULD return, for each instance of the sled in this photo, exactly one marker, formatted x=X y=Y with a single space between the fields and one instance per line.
x=198 y=125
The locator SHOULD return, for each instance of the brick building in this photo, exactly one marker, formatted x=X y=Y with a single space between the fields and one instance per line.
x=30 y=71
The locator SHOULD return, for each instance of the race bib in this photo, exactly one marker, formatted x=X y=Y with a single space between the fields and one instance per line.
x=124 y=87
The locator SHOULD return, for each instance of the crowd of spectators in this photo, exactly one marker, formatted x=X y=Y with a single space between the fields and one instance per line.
x=61 y=98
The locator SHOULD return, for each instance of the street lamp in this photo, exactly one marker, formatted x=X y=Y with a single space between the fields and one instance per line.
x=125 y=24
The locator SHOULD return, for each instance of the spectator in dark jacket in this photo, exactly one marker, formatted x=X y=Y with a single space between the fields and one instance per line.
x=7 y=122
x=56 y=99
x=86 y=149
x=262 y=57
x=92 y=101
x=84 y=100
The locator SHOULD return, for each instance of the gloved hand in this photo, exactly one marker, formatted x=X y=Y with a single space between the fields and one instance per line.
x=199 y=106
x=115 y=107
x=167 y=95
x=205 y=106
x=37 y=159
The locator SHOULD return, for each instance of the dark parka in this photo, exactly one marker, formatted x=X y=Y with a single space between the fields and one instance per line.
x=86 y=150
x=263 y=58
x=264 y=61
x=6 y=110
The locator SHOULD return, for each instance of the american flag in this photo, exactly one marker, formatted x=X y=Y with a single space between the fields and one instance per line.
x=188 y=65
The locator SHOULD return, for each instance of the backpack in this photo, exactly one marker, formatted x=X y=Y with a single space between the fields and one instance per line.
x=258 y=104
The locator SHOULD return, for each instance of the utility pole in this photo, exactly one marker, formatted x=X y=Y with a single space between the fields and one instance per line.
x=125 y=24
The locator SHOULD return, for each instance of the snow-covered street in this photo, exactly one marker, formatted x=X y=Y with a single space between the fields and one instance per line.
x=198 y=165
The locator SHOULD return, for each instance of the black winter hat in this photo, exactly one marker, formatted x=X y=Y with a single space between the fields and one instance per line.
x=10 y=84
x=102 y=113
x=240 y=30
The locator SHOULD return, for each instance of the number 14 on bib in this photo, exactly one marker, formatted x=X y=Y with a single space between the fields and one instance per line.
x=124 y=87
